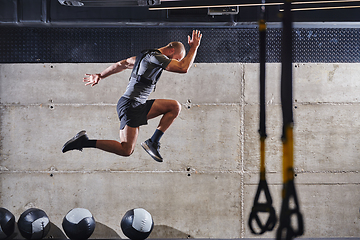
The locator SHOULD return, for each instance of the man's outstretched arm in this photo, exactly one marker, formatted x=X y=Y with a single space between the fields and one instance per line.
x=184 y=65
x=93 y=79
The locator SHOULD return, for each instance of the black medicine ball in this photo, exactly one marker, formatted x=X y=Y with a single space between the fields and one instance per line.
x=137 y=224
x=34 y=224
x=78 y=224
x=7 y=223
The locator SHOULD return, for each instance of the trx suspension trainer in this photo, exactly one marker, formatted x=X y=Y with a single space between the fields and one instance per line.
x=263 y=186
x=289 y=210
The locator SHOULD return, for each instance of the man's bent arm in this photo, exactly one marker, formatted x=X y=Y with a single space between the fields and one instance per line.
x=118 y=67
x=184 y=65
x=93 y=79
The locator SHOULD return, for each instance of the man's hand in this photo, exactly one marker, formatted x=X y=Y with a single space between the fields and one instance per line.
x=92 y=79
x=194 y=41
x=184 y=65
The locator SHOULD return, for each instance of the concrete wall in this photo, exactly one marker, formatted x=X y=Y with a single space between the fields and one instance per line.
x=207 y=182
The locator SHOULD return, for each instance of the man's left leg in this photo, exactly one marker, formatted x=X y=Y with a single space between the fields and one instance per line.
x=170 y=109
x=125 y=148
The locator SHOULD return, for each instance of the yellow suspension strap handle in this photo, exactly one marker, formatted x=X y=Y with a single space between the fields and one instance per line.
x=289 y=212
x=262 y=207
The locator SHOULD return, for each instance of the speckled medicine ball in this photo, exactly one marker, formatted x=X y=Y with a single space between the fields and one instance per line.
x=79 y=224
x=137 y=224
x=34 y=224
x=7 y=223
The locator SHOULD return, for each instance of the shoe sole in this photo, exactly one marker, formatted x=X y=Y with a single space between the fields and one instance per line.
x=77 y=136
x=148 y=150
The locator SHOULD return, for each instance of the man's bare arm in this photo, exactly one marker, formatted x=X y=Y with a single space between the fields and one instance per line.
x=93 y=79
x=184 y=65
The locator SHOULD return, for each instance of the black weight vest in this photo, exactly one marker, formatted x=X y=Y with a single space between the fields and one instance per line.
x=140 y=78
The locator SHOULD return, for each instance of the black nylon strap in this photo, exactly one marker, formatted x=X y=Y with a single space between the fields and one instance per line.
x=262 y=59
x=286 y=68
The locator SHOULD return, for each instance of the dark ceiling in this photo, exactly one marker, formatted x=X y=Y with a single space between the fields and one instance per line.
x=117 y=12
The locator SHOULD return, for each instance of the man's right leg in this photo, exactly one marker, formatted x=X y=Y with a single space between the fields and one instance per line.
x=169 y=109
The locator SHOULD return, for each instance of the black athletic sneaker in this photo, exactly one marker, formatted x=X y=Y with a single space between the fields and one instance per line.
x=76 y=143
x=152 y=149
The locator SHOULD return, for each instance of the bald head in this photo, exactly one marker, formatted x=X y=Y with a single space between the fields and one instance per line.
x=175 y=50
x=178 y=46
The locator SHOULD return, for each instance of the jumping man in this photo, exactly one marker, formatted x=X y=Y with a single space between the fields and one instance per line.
x=134 y=108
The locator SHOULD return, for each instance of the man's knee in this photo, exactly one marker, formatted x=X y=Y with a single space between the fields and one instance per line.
x=127 y=150
x=177 y=107
x=127 y=153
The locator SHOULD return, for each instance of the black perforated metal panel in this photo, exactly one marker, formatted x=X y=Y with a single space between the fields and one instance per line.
x=219 y=45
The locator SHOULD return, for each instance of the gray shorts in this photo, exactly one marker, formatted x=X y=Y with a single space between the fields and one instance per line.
x=132 y=112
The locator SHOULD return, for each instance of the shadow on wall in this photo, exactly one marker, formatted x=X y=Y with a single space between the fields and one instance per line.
x=104 y=232
x=162 y=231
x=55 y=232
x=101 y=232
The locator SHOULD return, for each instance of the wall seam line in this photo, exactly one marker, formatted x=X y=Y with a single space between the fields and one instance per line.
x=242 y=147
